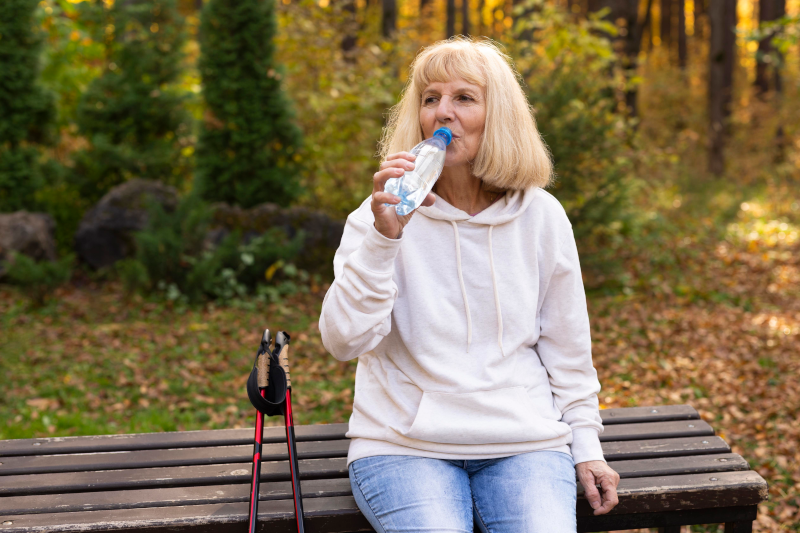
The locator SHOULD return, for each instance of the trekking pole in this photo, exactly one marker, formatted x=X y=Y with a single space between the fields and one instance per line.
x=262 y=367
x=282 y=339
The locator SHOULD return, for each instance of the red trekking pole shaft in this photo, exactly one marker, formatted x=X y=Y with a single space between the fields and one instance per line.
x=263 y=381
x=292 y=443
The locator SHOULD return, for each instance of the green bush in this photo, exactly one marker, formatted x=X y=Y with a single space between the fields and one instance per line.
x=133 y=114
x=341 y=109
x=573 y=83
x=61 y=200
x=247 y=149
x=39 y=279
x=20 y=177
x=174 y=256
x=27 y=111
x=71 y=59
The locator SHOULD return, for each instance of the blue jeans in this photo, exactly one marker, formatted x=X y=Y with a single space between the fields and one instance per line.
x=528 y=493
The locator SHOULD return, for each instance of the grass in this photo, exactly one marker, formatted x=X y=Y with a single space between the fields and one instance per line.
x=93 y=362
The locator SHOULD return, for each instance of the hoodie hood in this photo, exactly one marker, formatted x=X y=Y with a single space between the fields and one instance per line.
x=509 y=207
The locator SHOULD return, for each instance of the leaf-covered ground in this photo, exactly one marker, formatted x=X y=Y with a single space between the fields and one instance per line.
x=711 y=318
x=726 y=340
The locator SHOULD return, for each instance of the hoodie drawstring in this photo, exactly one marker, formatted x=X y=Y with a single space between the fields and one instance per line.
x=496 y=297
x=464 y=291
x=463 y=288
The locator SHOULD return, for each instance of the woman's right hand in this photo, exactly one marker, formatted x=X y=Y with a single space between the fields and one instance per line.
x=387 y=221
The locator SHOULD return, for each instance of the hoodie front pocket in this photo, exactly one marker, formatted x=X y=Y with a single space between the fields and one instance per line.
x=482 y=417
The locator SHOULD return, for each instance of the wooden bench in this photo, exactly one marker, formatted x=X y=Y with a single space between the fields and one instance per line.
x=674 y=472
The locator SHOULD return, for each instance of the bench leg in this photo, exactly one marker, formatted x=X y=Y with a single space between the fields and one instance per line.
x=739 y=527
x=670 y=529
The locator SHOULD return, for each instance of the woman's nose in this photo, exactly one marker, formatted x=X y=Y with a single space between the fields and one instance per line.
x=445 y=112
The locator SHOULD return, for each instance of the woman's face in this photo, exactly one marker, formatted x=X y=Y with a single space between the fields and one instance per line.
x=460 y=106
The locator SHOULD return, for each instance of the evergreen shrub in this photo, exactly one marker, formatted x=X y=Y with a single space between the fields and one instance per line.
x=175 y=255
x=41 y=278
x=247 y=147
x=27 y=111
x=133 y=114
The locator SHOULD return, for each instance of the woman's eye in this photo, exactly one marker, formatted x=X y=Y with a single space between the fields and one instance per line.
x=466 y=98
x=430 y=100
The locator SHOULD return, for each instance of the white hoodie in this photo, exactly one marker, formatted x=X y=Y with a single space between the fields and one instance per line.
x=471 y=331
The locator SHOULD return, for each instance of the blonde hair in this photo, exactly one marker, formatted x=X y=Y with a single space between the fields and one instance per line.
x=512 y=155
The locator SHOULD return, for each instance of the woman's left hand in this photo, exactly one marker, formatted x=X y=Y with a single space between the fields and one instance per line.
x=592 y=473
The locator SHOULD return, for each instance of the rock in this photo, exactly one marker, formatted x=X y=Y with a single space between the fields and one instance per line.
x=26 y=233
x=322 y=233
x=105 y=234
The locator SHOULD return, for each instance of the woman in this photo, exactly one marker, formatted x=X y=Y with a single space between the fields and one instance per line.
x=476 y=398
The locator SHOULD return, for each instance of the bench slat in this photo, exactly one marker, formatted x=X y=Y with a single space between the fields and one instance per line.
x=233 y=437
x=673 y=466
x=141 y=478
x=194 y=495
x=164 y=458
x=223 y=474
x=655 y=430
x=340 y=514
x=646 y=449
x=43 y=464
x=199 y=495
x=692 y=491
x=337 y=514
x=166 y=440
x=657 y=413
x=670 y=520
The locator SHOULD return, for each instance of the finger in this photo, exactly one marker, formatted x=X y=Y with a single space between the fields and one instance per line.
x=401 y=155
x=380 y=178
x=398 y=163
x=380 y=198
x=609 y=485
x=608 y=505
x=591 y=492
x=610 y=498
x=429 y=200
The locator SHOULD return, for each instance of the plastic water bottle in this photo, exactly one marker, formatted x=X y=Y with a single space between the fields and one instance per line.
x=413 y=186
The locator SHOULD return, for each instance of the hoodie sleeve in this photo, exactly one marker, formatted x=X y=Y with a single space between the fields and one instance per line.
x=356 y=312
x=565 y=348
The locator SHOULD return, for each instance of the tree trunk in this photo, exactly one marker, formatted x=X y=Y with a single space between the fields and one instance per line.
x=682 y=52
x=780 y=12
x=633 y=45
x=766 y=13
x=729 y=43
x=422 y=5
x=388 y=17
x=720 y=75
x=666 y=24
x=481 y=6
x=526 y=35
x=465 y=17
x=700 y=18
x=630 y=35
x=593 y=6
x=780 y=137
x=451 y=18
x=349 y=39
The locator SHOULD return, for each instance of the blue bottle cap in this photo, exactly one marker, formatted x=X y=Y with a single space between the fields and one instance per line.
x=445 y=134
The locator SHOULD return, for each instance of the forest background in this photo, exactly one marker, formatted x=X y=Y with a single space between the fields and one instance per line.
x=674 y=130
